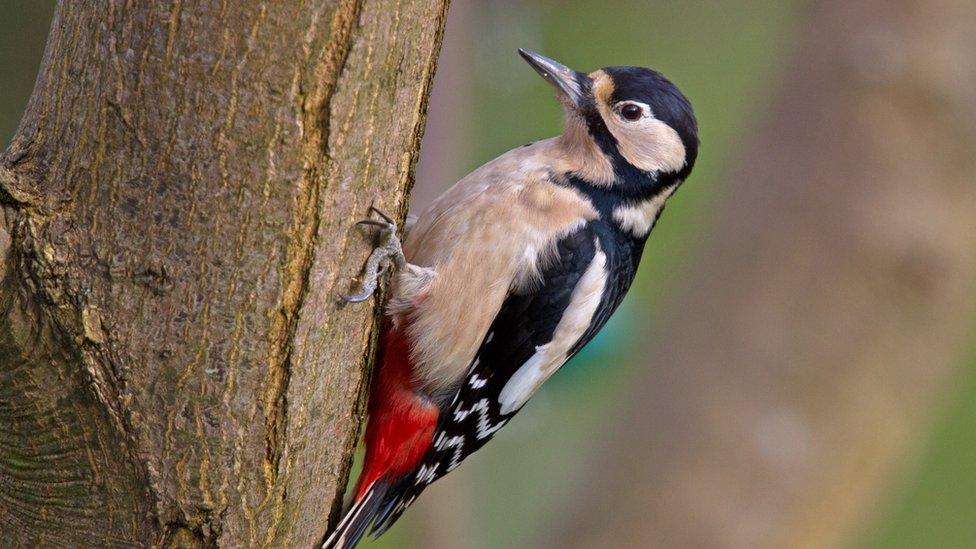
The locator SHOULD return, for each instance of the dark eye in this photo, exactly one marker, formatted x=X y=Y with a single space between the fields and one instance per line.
x=631 y=112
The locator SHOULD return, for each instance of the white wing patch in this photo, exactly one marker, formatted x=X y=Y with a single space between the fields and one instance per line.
x=548 y=358
x=485 y=429
x=477 y=382
x=637 y=219
x=427 y=474
x=457 y=443
x=525 y=381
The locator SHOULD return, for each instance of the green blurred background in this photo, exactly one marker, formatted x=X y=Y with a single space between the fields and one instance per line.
x=733 y=59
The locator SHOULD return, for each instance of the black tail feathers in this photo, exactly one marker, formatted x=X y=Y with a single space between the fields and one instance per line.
x=378 y=507
x=357 y=519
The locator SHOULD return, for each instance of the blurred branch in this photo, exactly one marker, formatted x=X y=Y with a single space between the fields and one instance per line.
x=827 y=313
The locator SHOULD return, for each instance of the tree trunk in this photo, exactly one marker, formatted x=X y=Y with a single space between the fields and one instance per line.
x=175 y=367
x=827 y=314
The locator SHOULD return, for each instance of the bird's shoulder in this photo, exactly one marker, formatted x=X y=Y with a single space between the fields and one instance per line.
x=492 y=232
x=516 y=195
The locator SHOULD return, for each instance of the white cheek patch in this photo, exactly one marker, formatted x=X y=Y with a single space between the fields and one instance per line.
x=637 y=219
x=548 y=358
x=650 y=145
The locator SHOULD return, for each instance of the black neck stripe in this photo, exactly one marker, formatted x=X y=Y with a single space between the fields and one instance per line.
x=631 y=184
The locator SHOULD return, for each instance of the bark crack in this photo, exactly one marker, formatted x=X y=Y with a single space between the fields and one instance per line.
x=314 y=119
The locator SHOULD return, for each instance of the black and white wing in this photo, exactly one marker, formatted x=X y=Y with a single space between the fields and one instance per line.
x=535 y=332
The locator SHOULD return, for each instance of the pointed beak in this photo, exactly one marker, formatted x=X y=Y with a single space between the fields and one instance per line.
x=564 y=79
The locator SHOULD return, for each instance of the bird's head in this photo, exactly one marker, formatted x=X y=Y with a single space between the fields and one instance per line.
x=622 y=119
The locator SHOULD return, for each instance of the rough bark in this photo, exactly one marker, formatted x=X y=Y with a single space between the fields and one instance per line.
x=828 y=311
x=175 y=367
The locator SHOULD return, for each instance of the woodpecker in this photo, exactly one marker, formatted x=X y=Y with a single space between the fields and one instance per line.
x=509 y=274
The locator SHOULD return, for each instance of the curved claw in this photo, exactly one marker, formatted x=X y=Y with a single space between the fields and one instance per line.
x=380 y=224
x=382 y=214
x=370 y=283
x=388 y=254
x=357 y=298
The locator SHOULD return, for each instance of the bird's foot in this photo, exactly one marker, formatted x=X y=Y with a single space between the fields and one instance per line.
x=387 y=254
